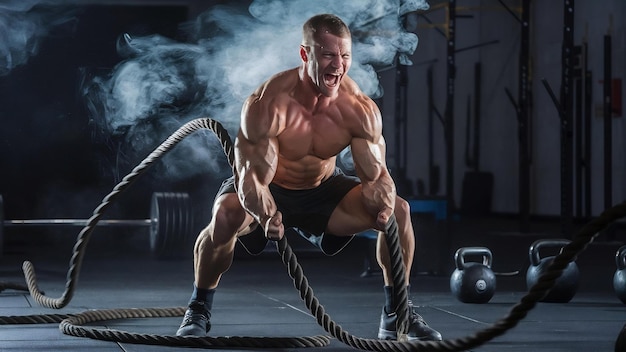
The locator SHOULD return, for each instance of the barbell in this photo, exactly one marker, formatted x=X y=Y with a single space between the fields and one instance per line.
x=171 y=224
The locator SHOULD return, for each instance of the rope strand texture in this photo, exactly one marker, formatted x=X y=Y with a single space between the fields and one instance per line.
x=73 y=326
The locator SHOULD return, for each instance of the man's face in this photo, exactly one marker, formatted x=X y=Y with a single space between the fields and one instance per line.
x=328 y=61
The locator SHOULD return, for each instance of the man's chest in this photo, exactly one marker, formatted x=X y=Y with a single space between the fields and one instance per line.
x=319 y=135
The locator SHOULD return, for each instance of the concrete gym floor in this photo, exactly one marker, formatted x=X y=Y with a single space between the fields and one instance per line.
x=257 y=297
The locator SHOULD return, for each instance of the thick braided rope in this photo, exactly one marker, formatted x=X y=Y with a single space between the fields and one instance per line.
x=84 y=236
x=317 y=310
x=73 y=326
x=545 y=282
x=69 y=323
x=398 y=277
x=517 y=313
x=33 y=319
x=12 y=286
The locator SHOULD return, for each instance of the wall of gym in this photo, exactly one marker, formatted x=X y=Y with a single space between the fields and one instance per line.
x=488 y=34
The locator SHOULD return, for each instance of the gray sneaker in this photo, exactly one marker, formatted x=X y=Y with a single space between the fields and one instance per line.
x=196 y=321
x=418 y=328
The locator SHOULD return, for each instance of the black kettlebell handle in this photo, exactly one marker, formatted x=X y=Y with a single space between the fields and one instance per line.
x=461 y=253
x=620 y=258
x=533 y=251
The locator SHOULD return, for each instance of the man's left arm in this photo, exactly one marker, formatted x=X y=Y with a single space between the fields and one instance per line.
x=378 y=188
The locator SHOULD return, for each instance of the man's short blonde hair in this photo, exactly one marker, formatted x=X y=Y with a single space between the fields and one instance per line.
x=324 y=22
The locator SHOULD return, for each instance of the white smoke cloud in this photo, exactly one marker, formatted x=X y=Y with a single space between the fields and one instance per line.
x=163 y=83
x=23 y=26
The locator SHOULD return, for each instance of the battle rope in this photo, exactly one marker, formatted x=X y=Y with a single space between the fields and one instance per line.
x=545 y=282
x=85 y=234
x=71 y=326
x=398 y=271
x=12 y=286
x=69 y=323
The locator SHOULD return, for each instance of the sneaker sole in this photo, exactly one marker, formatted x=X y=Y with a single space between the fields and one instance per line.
x=191 y=331
x=391 y=335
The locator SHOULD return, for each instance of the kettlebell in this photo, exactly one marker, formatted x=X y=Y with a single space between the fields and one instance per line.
x=566 y=285
x=473 y=282
x=619 y=278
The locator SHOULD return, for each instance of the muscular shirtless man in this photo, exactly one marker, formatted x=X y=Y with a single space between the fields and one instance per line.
x=292 y=128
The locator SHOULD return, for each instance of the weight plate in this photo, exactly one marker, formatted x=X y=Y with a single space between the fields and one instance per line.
x=172 y=224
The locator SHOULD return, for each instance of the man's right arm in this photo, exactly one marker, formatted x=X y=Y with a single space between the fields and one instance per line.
x=256 y=158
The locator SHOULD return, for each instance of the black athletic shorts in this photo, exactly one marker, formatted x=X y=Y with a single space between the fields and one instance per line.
x=305 y=212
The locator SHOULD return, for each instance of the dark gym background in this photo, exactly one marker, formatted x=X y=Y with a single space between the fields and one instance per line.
x=507 y=127
x=56 y=162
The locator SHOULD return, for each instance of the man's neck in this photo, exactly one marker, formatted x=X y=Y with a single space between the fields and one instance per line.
x=308 y=95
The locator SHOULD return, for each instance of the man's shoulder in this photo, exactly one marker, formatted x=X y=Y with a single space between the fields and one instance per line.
x=279 y=83
x=353 y=96
x=283 y=79
x=352 y=90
